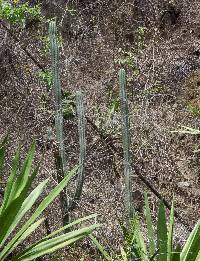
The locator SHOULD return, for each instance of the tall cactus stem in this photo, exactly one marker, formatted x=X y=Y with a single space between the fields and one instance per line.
x=126 y=145
x=59 y=153
x=57 y=92
x=82 y=154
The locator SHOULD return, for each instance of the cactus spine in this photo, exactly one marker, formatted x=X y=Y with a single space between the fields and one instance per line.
x=67 y=205
x=126 y=144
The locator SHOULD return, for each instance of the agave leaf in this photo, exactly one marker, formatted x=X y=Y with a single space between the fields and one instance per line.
x=170 y=233
x=45 y=239
x=30 y=200
x=11 y=180
x=101 y=248
x=176 y=253
x=70 y=225
x=123 y=254
x=46 y=202
x=26 y=205
x=11 y=215
x=198 y=257
x=22 y=179
x=30 y=230
x=162 y=233
x=152 y=247
x=58 y=231
x=33 y=256
x=53 y=244
x=191 y=248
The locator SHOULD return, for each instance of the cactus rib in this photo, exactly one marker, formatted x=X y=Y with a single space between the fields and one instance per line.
x=126 y=144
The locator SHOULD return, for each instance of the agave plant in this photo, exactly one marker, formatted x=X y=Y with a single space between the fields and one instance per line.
x=17 y=201
x=160 y=246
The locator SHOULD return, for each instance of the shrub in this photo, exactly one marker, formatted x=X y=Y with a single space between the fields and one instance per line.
x=17 y=13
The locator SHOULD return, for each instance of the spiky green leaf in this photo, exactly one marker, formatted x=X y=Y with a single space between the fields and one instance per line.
x=53 y=244
x=170 y=233
x=52 y=195
x=101 y=248
x=191 y=248
x=162 y=233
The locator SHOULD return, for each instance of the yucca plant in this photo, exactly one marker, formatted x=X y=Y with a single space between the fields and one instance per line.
x=17 y=201
x=155 y=247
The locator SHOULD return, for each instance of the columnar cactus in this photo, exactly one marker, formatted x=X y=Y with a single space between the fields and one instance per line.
x=82 y=154
x=57 y=92
x=126 y=144
x=59 y=153
x=67 y=205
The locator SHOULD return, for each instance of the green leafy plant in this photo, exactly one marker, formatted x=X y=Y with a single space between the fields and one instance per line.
x=129 y=57
x=140 y=33
x=17 y=201
x=107 y=121
x=155 y=247
x=45 y=40
x=69 y=105
x=46 y=77
x=194 y=110
x=17 y=13
x=134 y=246
x=155 y=88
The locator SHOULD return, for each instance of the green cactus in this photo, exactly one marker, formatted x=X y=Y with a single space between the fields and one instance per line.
x=126 y=144
x=57 y=92
x=59 y=153
x=82 y=154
